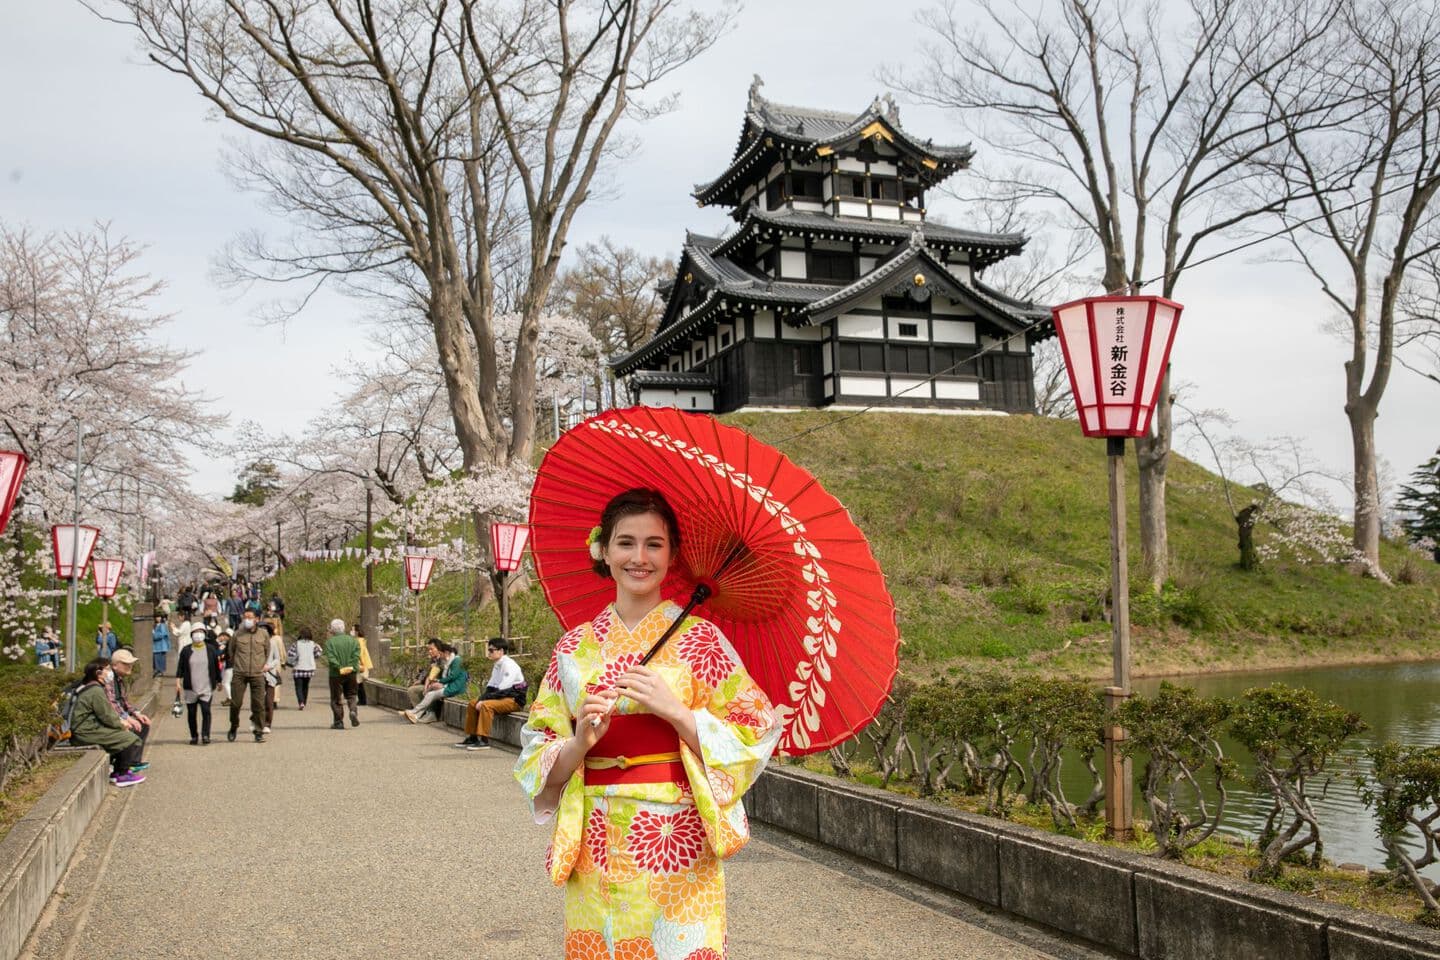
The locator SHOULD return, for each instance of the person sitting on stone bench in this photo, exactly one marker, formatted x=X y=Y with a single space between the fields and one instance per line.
x=431 y=673
x=95 y=723
x=505 y=692
x=122 y=662
x=451 y=682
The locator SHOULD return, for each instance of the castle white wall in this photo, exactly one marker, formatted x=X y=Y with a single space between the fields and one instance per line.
x=681 y=399
x=957 y=390
x=859 y=325
x=863 y=386
x=954 y=331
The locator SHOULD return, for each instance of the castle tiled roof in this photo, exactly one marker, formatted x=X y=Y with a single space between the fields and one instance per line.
x=770 y=127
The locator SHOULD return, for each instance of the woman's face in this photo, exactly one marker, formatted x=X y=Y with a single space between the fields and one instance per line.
x=639 y=555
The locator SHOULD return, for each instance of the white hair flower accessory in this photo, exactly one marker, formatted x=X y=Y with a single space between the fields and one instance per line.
x=593 y=540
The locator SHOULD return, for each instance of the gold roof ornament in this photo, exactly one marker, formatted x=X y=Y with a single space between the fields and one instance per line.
x=919 y=280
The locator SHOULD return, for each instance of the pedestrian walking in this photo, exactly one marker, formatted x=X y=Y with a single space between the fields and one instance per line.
x=160 y=648
x=247 y=653
x=196 y=679
x=304 y=666
x=274 y=664
x=342 y=656
x=366 y=665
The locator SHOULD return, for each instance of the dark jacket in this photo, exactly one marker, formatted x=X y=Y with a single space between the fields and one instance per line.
x=212 y=651
x=96 y=723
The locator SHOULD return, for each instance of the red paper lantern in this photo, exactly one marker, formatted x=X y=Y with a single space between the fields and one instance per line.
x=417 y=571
x=1116 y=349
x=507 y=541
x=106 y=571
x=12 y=471
x=64 y=542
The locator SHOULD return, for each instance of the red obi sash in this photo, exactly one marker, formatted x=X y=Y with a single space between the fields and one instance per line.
x=637 y=748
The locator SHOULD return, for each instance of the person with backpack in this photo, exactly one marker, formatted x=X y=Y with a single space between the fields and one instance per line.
x=196 y=679
x=93 y=722
x=505 y=692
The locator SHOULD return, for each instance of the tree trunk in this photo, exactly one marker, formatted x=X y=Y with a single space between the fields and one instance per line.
x=1245 y=520
x=461 y=381
x=1153 y=456
x=1367 y=488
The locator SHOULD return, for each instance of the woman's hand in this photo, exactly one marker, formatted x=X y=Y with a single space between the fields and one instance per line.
x=595 y=706
x=647 y=688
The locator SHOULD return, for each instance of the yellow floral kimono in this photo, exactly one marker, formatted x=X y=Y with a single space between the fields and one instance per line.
x=640 y=862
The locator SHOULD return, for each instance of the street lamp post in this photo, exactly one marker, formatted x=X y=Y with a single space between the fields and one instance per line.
x=1116 y=350
x=72 y=545
x=12 y=471
x=369 y=603
x=106 y=571
x=507 y=546
x=418 y=568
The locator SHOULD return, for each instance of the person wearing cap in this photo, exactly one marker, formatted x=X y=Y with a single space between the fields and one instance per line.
x=196 y=679
x=121 y=665
x=247 y=654
x=95 y=723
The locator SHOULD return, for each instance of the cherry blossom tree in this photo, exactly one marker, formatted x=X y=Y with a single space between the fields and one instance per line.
x=84 y=351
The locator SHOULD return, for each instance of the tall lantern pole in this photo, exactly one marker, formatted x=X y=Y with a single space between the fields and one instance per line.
x=74 y=552
x=71 y=545
x=418 y=567
x=507 y=546
x=1117 y=349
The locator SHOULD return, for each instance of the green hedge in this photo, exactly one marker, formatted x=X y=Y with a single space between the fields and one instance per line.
x=27 y=705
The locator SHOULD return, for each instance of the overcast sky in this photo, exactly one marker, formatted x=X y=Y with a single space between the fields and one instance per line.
x=93 y=134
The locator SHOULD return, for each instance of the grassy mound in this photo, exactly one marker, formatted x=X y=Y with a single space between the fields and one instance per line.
x=993 y=534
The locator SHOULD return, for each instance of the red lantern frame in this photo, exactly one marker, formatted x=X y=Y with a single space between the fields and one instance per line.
x=63 y=533
x=418 y=569
x=12 y=471
x=1131 y=378
x=106 y=571
x=507 y=544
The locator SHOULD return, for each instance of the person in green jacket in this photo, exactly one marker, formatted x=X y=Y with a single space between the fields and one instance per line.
x=342 y=656
x=450 y=682
x=95 y=723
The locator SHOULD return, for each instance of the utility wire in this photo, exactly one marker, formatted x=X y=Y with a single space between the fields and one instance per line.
x=1043 y=323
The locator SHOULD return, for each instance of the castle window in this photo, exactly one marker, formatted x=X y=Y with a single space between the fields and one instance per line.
x=862 y=357
x=855 y=187
x=724 y=340
x=952 y=362
x=914 y=195
x=909 y=359
x=806 y=186
x=699 y=354
x=884 y=188
x=908 y=330
x=831 y=265
x=802 y=361
x=901 y=303
x=774 y=194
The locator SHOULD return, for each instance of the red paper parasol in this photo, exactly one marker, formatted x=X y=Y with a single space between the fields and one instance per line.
x=792 y=581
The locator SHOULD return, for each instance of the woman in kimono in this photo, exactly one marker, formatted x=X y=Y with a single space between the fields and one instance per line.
x=642 y=767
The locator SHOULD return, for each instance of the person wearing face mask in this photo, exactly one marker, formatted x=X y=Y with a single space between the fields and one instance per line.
x=196 y=680
x=94 y=722
x=247 y=654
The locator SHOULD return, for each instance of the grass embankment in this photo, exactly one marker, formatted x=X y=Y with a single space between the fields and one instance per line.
x=25 y=790
x=993 y=532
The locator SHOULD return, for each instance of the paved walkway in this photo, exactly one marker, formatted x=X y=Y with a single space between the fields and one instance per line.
x=384 y=841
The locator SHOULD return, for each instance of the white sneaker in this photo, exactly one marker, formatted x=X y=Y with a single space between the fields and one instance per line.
x=266 y=730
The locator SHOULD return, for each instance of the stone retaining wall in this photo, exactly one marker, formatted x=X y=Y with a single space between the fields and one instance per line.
x=1136 y=905
x=35 y=853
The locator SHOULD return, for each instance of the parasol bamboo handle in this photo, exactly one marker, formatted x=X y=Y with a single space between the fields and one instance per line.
x=701 y=594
